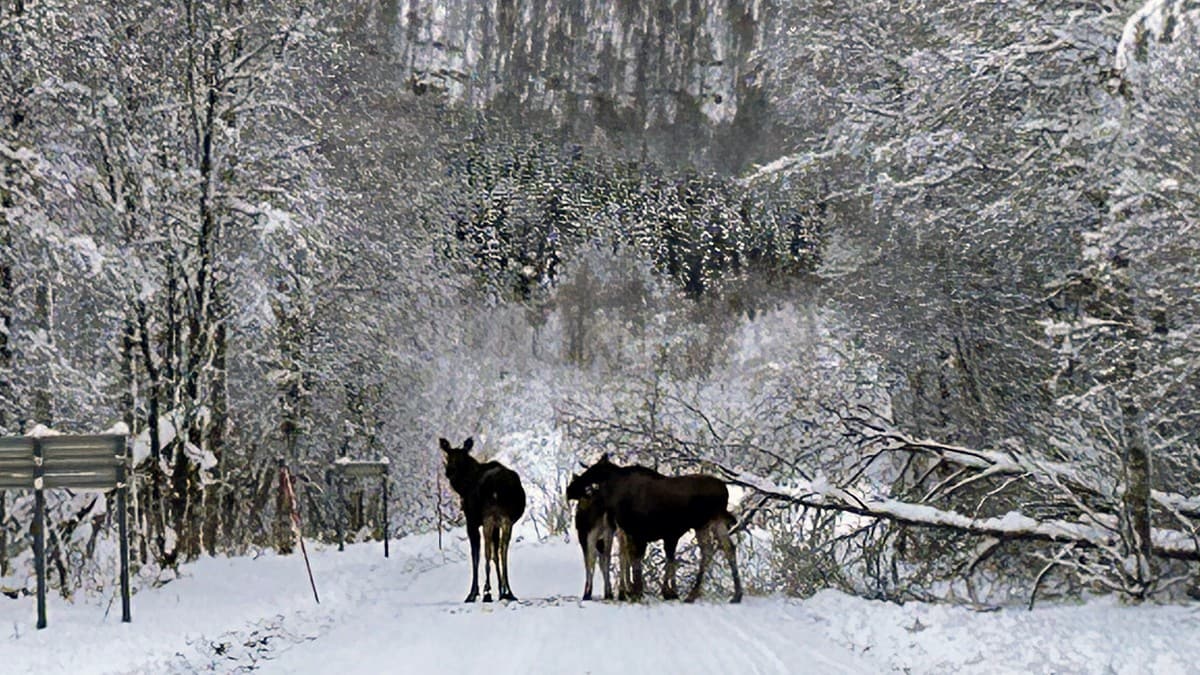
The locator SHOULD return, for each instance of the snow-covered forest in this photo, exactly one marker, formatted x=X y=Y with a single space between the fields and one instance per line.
x=920 y=279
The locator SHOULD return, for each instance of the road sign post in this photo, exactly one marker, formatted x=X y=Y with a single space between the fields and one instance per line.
x=39 y=530
x=345 y=468
x=98 y=462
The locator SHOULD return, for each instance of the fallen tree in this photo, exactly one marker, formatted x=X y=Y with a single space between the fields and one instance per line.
x=1092 y=538
x=927 y=519
x=1100 y=533
x=1013 y=461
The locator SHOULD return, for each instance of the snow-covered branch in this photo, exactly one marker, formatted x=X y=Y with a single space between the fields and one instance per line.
x=1011 y=462
x=1013 y=525
x=1155 y=21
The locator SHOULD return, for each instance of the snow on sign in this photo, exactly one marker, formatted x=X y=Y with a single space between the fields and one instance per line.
x=361 y=469
x=38 y=463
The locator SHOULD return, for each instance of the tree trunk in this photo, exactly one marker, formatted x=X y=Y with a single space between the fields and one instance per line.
x=3 y=534
x=8 y=300
x=44 y=374
x=1135 y=451
x=292 y=394
x=153 y=525
x=8 y=401
x=1136 y=500
x=218 y=424
x=203 y=320
x=283 y=530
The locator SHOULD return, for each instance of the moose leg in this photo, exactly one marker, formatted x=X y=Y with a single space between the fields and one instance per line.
x=624 y=568
x=705 y=539
x=722 y=531
x=668 y=580
x=637 y=552
x=473 y=535
x=604 y=544
x=589 y=560
x=505 y=539
x=585 y=543
x=502 y=557
x=489 y=554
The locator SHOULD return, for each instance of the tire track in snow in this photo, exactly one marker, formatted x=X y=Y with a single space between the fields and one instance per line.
x=774 y=663
x=423 y=626
x=253 y=645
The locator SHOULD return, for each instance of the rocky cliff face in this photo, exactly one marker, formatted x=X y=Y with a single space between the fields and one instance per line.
x=673 y=76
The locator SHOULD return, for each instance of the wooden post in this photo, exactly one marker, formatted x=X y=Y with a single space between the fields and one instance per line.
x=123 y=533
x=39 y=531
x=384 y=481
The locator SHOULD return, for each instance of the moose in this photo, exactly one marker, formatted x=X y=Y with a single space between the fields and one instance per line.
x=647 y=506
x=595 y=534
x=492 y=499
x=595 y=530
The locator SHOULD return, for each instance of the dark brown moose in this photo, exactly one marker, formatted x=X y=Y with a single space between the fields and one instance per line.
x=595 y=530
x=492 y=499
x=647 y=506
x=595 y=533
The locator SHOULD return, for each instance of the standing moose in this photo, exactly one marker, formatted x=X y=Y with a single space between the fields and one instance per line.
x=647 y=506
x=596 y=529
x=492 y=498
x=595 y=532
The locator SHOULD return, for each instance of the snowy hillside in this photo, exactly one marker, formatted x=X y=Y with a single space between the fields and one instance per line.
x=405 y=614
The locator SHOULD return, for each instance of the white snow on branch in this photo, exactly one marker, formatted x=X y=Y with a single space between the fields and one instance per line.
x=1015 y=462
x=1012 y=525
x=784 y=165
x=1155 y=21
x=1063 y=328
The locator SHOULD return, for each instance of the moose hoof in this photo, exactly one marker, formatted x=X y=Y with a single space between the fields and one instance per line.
x=691 y=598
x=670 y=595
x=737 y=597
x=472 y=597
x=587 y=596
x=487 y=597
x=508 y=596
x=608 y=596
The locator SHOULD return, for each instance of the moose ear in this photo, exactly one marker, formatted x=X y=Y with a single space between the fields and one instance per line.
x=445 y=444
x=468 y=444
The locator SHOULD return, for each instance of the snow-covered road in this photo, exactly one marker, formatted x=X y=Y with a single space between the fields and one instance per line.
x=405 y=615
x=425 y=627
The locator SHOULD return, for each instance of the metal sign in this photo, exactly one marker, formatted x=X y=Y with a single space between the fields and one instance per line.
x=97 y=462
x=81 y=462
x=360 y=469
x=16 y=463
x=347 y=468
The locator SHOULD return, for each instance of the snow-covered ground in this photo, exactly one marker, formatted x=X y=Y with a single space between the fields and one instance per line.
x=405 y=614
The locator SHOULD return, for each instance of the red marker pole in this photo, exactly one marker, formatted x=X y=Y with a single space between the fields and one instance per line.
x=291 y=496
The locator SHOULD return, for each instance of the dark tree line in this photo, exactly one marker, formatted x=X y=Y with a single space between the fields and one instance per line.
x=528 y=203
